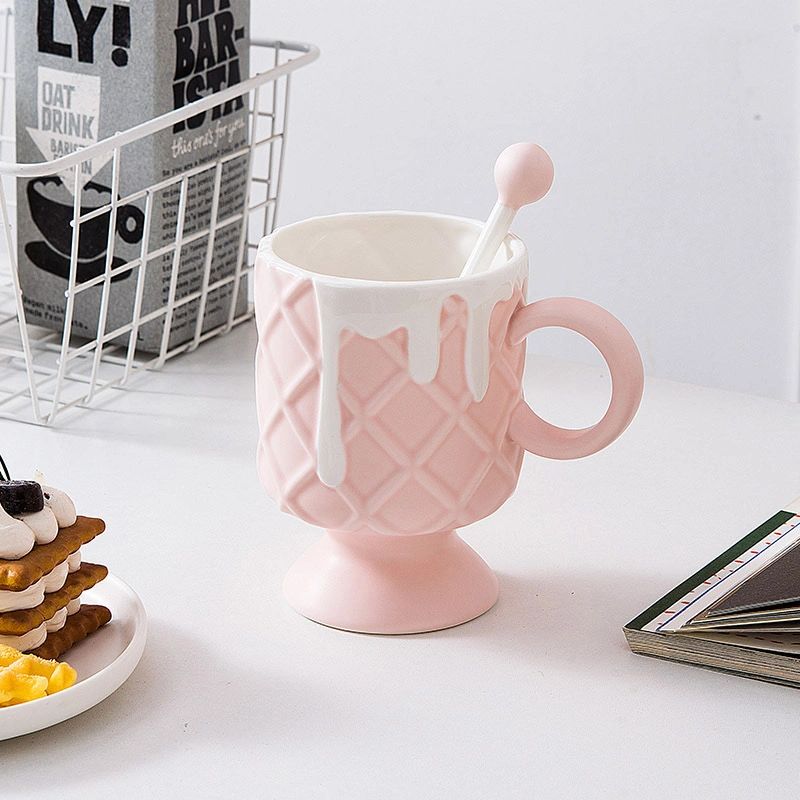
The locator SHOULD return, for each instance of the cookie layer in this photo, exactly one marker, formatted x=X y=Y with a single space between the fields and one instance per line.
x=77 y=627
x=16 y=623
x=21 y=573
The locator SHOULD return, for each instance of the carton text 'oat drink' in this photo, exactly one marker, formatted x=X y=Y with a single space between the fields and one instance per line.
x=87 y=69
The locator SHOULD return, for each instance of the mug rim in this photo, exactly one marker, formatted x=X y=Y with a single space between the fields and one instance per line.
x=516 y=246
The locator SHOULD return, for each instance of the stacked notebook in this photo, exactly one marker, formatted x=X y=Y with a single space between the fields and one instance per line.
x=738 y=614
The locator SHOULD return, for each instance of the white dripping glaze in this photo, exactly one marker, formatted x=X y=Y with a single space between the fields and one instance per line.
x=375 y=308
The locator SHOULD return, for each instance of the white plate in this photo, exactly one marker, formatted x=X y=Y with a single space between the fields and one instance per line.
x=104 y=661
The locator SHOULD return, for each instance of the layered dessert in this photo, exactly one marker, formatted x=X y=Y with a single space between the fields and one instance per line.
x=42 y=574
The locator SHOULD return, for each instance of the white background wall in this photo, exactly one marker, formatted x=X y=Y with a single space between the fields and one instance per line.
x=673 y=128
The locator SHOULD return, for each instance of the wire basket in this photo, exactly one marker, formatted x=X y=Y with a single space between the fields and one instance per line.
x=43 y=372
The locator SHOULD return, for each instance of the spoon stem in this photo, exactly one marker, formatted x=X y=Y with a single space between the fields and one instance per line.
x=493 y=233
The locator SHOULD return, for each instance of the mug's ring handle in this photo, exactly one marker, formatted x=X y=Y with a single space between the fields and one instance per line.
x=619 y=350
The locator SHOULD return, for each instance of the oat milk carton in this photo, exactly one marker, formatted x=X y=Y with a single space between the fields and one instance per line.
x=86 y=69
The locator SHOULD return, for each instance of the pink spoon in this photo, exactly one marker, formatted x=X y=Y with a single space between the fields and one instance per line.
x=523 y=174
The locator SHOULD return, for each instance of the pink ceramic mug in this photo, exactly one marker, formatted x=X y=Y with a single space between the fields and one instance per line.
x=390 y=408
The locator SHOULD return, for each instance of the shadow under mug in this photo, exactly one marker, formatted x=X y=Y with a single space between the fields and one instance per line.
x=391 y=413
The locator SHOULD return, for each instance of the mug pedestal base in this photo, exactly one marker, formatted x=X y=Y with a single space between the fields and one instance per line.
x=373 y=583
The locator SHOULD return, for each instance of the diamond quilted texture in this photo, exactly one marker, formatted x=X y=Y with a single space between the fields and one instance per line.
x=451 y=376
x=290 y=457
x=266 y=473
x=380 y=360
x=414 y=412
x=284 y=351
x=460 y=459
x=318 y=504
x=496 y=486
x=369 y=467
x=493 y=413
x=501 y=316
x=414 y=508
x=420 y=458
x=266 y=390
x=304 y=406
x=297 y=303
x=287 y=385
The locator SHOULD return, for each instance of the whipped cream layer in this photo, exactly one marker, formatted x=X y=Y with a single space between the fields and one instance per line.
x=34 y=638
x=43 y=524
x=57 y=621
x=28 y=641
x=61 y=504
x=34 y=594
x=19 y=534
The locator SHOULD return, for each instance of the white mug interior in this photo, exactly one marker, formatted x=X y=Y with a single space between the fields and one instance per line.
x=382 y=246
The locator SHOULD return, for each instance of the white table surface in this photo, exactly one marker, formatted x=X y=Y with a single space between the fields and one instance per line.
x=237 y=695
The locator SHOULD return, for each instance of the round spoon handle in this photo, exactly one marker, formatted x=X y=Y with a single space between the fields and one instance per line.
x=523 y=174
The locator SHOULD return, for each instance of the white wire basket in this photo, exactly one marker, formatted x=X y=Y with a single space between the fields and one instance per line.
x=44 y=372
